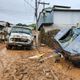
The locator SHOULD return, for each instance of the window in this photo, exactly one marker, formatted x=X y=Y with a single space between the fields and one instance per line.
x=21 y=30
x=67 y=36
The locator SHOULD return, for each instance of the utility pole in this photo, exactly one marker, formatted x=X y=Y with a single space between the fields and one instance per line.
x=36 y=15
x=43 y=3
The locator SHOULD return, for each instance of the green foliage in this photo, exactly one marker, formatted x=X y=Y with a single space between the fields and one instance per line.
x=30 y=25
x=20 y=24
x=33 y=25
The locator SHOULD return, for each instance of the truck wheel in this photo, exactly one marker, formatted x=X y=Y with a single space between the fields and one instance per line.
x=30 y=47
x=9 y=47
x=76 y=63
x=65 y=55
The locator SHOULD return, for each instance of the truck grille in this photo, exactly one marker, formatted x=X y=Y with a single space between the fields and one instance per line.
x=19 y=40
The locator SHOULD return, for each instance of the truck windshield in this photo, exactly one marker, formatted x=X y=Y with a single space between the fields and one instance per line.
x=21 y=30
x=67 y=36
x=72 y=33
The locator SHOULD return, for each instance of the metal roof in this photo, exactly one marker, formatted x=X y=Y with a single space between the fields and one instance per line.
x=59 y=6
x=72 y=10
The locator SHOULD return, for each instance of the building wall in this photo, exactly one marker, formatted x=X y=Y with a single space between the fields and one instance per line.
x=48 y=18
x=60 y=19
x=66 y=18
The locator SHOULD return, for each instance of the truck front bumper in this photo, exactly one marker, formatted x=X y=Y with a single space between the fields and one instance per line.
x=20 y=44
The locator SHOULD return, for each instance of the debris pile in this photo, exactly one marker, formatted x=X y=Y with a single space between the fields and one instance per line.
x=47 y=38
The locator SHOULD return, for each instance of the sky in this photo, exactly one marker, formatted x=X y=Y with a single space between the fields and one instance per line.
x=19 y=11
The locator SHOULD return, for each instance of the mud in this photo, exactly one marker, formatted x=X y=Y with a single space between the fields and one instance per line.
x=16 y=65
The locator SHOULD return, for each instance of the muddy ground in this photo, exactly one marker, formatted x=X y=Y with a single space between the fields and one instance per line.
x=16 y=65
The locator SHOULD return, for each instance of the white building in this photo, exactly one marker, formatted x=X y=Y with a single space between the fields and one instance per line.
x=59 y=17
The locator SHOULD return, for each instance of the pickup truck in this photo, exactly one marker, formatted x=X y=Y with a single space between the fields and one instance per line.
x=68 y=44
x=20 y=36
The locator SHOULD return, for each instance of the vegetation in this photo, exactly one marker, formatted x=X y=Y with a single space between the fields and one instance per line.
x=20 y=24
x=33 y=26
x=30 y=25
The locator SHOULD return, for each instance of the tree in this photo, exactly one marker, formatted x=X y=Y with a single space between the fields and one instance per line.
x=33 y=25
x=20 y=24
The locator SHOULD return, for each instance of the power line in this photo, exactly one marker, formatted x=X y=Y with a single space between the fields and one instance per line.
x=26 y=10
x=43 y=3
x=29 y=4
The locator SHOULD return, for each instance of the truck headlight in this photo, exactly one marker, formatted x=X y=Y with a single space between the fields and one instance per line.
x=28 y=40
x=11 y=39
x=24 y=37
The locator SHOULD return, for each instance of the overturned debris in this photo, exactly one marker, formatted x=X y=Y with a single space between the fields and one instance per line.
x=68 y=43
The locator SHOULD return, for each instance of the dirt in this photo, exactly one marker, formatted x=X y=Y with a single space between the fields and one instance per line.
x=16 y=65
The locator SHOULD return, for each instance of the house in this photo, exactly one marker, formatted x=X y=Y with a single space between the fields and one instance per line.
x=4 y=24
x=4 y=27
x=58 y=17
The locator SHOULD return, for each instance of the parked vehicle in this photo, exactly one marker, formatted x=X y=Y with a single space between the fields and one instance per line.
x=68 y=43
x=20 y=36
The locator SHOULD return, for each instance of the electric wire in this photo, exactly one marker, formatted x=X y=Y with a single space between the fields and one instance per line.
x=29 y=4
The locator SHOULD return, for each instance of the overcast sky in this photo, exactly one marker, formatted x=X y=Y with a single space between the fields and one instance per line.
x=18 y=11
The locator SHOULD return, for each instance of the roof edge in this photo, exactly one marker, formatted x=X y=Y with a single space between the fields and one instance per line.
x=59 y=6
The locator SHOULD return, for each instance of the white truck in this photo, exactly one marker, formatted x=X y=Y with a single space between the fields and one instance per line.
x=20 y=36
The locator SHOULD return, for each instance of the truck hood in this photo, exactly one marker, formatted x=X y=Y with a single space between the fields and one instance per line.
x=21 y=35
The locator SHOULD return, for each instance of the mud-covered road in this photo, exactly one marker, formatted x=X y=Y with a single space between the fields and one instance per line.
x=16 y=65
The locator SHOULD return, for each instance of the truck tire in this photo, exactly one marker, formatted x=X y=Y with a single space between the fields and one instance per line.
x=9 y=47
x=30 y=47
